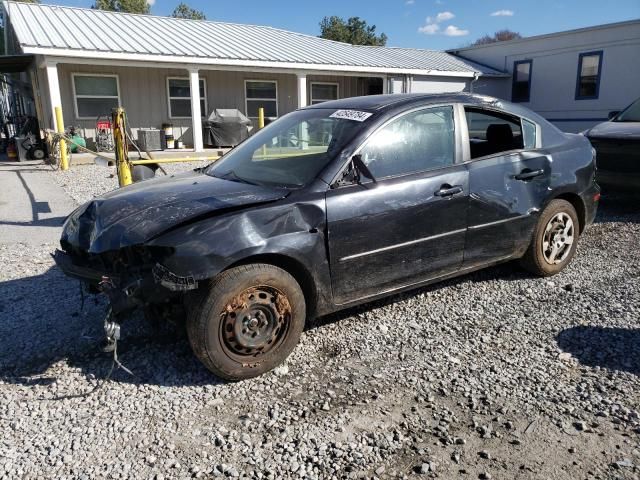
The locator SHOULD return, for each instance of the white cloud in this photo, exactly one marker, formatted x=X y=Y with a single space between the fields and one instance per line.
x=410 y=2
x=151 y=2
x=453 y=31
x=444 y=16
x=502 y=13
x=440 y=17
x=429 y=28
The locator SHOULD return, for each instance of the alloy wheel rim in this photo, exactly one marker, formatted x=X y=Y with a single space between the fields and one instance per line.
x=558 y=238
x=255 y=322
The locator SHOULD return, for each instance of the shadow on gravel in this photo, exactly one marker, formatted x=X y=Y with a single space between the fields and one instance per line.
x=509 y=271
x=41 y=324
x=610 y=348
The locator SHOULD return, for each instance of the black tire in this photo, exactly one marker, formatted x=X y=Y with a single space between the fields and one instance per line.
x=536 y=258
x=141 y=173
x=247 y=321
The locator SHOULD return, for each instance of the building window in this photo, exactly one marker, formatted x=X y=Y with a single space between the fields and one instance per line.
x=95 y=95
x=179 y=92
x=323 y=92
x=589 y=69
x=521 y=89
x=261 y=93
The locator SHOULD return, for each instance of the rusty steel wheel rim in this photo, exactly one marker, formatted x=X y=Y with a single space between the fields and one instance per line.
x=255 y=322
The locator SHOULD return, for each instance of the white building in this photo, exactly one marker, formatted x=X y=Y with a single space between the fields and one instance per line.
x=161 y=69
x=573 y=78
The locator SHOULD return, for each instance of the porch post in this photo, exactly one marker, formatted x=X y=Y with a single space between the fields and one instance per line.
x=302 y=102
x=55 y=98
x=385 y=85
x=196 y=114
x=302 y=90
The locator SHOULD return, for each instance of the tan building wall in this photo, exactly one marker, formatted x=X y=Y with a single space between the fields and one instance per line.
x=143 y=94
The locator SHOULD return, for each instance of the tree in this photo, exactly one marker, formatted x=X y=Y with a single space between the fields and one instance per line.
x=499 y=36
x=127 y=6
x=354 y=31
x=185 y=11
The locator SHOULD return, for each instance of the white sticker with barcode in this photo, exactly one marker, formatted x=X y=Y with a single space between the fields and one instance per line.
x=355 y=115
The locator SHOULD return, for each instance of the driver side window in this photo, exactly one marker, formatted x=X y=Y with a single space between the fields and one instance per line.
x=411 y=143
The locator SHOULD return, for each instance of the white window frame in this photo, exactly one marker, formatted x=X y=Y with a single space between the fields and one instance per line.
x=76 y=96
x=311 y=99
x=169 y=97
x=246 y=99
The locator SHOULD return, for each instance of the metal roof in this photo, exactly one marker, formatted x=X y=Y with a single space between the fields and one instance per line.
x=82 y=32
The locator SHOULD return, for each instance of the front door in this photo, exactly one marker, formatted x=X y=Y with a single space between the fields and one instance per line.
x=410 y=224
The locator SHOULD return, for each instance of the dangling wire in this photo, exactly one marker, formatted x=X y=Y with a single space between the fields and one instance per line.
x=115 y=363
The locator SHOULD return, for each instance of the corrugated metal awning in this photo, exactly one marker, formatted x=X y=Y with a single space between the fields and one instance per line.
x=87 y=33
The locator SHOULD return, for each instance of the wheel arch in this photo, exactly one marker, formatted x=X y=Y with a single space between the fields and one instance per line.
x=293 y=267
x=576 y=201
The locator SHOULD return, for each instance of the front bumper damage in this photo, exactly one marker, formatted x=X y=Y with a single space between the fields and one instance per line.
x=126 y=290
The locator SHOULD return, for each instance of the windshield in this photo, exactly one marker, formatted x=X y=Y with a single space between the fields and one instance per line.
x=629 y=114
x=291 y=151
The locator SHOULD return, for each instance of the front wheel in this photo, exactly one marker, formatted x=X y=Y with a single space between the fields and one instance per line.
x=247 y=322
x=554 y=241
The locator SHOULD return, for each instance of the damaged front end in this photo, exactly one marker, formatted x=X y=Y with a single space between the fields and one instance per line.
x=131 y=277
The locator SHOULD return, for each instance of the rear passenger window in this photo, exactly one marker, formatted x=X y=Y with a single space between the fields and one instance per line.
x=414 y=142
x=492 y=132
x=529 y=132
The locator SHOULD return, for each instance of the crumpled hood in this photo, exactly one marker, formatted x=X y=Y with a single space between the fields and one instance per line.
x=617 y=130
x=137 y=213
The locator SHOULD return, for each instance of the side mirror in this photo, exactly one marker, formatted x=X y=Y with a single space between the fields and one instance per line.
x=349 y=177
x=613 y=114
x=362 y=168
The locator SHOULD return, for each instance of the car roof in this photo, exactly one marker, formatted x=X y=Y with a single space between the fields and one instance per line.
x=380 y=103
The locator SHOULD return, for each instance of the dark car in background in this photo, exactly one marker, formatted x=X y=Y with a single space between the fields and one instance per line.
x=617 y=143
x=332 y=206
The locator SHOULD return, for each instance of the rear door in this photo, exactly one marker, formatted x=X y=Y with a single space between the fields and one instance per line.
x=509 y=176
x=410 y=224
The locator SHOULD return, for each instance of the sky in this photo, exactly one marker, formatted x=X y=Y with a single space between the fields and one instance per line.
x=434 y=24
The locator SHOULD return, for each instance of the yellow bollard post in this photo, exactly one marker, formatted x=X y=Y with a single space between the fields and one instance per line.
x=120 y=141
x=64 y=160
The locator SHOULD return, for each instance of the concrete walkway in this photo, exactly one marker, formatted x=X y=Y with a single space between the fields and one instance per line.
x=32 y=206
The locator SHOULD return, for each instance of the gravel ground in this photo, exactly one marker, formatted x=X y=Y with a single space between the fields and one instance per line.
x=85 y=182
x=492 y=375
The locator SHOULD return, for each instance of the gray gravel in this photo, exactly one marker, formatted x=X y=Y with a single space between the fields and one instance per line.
x=494 y=375
x=84 y=182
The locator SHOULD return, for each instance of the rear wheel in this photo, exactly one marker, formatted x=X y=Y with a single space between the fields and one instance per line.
x=555 y=239
x=247 y=322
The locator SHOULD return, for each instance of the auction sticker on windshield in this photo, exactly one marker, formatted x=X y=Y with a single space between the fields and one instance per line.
x=351 y=115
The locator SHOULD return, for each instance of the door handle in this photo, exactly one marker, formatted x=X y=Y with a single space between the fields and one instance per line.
x=448 y=190
x=528 y=174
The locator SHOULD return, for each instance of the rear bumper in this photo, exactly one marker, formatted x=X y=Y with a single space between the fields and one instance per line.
x=626 y=181
x=591 y=200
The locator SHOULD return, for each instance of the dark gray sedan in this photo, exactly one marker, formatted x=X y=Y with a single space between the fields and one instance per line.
x=331 y=206
x=617 y=143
